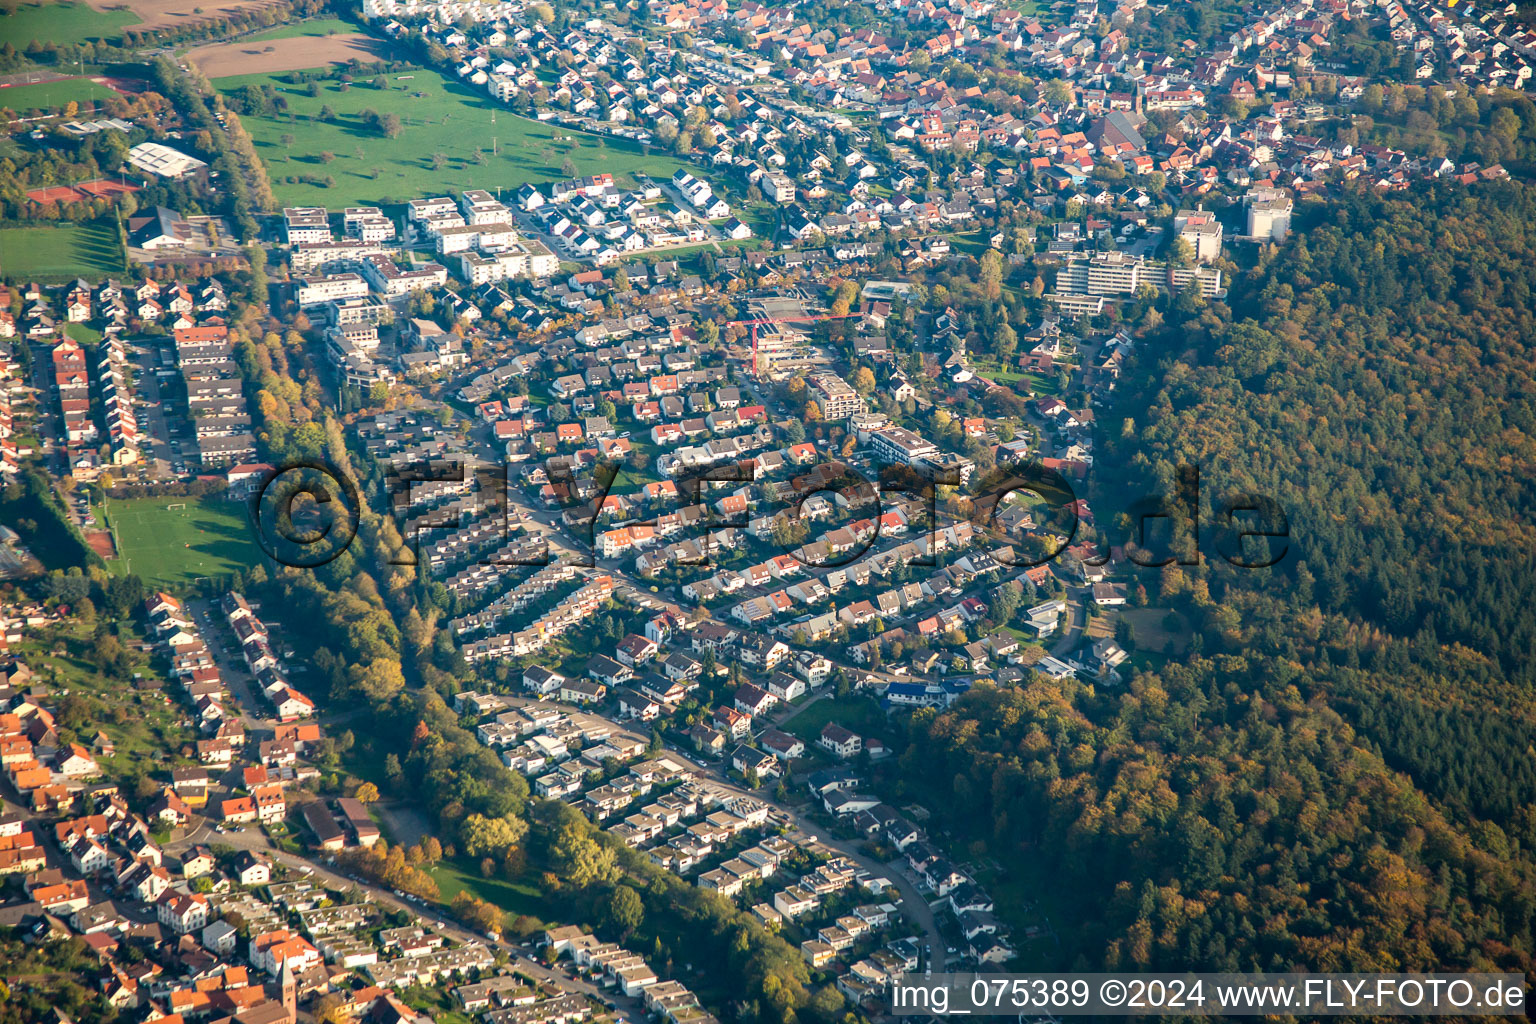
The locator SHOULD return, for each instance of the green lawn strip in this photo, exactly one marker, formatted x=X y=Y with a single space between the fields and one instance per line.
x=997 y=372
x=972 y=243
x=62 y=23
x=761 y=217
x=314 y=27
x=453 y=138
x=60 y=250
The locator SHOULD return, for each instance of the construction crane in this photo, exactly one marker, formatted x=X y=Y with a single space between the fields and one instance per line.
x=784 y=320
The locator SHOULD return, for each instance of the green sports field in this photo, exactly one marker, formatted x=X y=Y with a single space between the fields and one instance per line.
x=69 y=22
x=210 y=537
x=445 y=125
x=70 y=249
x=54 y=95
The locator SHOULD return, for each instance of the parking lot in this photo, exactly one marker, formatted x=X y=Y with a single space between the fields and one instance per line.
x=168 y=443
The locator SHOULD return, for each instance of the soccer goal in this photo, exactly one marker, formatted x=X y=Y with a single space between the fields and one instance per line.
x=176 y=506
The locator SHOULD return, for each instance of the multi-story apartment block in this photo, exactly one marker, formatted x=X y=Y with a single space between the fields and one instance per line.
x=1269 y=214
x=524 y=257
x=900 y=445
x=368 y=224
x=778 y=187
x=385 y=276
x=312 y=291
x=307 y=224
x=837 y=399
x=1114 y=274
x=338 y=255
x=1202 y=231
x=423 y=210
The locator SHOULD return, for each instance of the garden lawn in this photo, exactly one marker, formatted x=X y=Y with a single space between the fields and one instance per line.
x=998 y=372
x=54 y=95
x=762 y=217
x=454 y=876
x=971 y=243
x=862 y=715
x=63 y=250
x=143 y=726
x=210 y=537
x=445 y=125
x=62 y=23
x=83 y=333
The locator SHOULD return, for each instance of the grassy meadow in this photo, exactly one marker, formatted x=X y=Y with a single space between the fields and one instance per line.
x=453 y=138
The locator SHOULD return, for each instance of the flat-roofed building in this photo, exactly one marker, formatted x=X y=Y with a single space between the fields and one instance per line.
x=163 y=161
x=1202 y=231
x=1269 y=214
x=306 y=224
x=837 y=399
x=313 y=291
x=900 y=445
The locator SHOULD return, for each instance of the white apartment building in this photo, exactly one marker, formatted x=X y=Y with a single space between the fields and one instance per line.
x=368 y=224
x=307 y=224
x=1269 y=215
x=1111 y=274
x=385 y=276
x=349 y=253
x=423 y=210
x=837 y=399
x=778 y=187
x=1202 y=231
x=900 y=445
x=525 y=257
x=312 y=291
x=493 y=235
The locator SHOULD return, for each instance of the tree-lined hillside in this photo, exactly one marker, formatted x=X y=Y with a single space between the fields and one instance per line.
x=1341 y=776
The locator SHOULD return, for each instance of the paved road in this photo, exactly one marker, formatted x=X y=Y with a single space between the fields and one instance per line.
x=232 y=667
x=49 y=423
x=1077 y=612
x=405 y=824
x=150 y=408
x=914 y=905
x=253 y=839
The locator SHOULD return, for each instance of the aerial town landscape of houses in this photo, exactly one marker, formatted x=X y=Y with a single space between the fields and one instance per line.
x=681 y=355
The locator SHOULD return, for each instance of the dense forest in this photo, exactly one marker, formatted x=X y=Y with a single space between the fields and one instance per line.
x=1341 y=773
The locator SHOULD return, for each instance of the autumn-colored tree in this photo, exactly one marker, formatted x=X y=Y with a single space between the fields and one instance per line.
x=476 y=912
x=492 y=837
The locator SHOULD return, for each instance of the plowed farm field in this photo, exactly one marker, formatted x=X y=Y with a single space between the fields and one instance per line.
x=254 y=57
x=179 y=13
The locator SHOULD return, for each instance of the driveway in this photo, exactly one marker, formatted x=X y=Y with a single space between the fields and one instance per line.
x=1077 y=621
x=151 y=411
x=232 y=669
